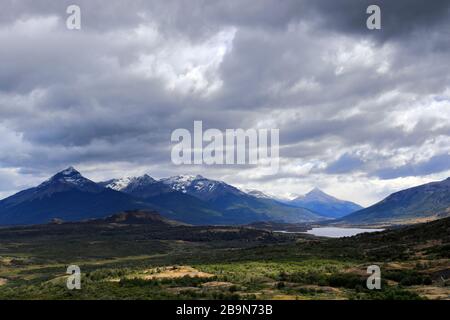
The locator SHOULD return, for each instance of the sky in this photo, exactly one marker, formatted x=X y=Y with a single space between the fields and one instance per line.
x=361 y=113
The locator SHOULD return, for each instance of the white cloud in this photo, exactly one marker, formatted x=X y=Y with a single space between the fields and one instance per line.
x=185 y=67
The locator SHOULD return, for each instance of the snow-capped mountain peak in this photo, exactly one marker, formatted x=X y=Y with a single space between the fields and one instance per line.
x=70 y=171
x=184 y=179
x=69 y=178
x=258 y=194
x=69 y=175
x=201 y=187
x=184 y=182
x=118 y=184
x=129 y=182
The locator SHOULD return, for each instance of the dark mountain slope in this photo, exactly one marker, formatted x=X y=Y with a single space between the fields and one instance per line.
x=418 y=204
x=67 y=196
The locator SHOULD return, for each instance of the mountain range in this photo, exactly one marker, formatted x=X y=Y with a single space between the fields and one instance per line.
x=198 y=200
x=69 y=196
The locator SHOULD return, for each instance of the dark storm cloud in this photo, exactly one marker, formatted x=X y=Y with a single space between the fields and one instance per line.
x=435 y=164
x=400 y=18
x=346 y=163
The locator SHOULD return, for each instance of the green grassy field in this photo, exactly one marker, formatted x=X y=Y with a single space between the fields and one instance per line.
x=181 y=262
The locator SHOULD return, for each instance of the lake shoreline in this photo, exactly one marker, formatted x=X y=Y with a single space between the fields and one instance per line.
x=332 y=232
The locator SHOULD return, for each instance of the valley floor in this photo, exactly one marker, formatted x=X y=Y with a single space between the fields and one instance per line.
x=141 y=262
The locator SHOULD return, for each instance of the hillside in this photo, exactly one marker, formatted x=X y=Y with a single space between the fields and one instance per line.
x=423 y=203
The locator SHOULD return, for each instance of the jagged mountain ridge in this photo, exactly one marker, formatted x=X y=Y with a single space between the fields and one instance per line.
x=219 y=201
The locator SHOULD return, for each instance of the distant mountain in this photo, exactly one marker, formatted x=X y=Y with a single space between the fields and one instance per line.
x=198 y=200
x=171 y=203
x=68 y=196
x=236 y=205
x=423 y=203
x=324 y=204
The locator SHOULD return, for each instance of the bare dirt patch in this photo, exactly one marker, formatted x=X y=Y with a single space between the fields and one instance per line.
x=3 y=281
x=174 y=272
x=217 y=285
x=6 y=261
x=433 y=292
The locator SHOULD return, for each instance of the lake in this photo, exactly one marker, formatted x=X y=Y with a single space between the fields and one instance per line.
x=336 y=232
